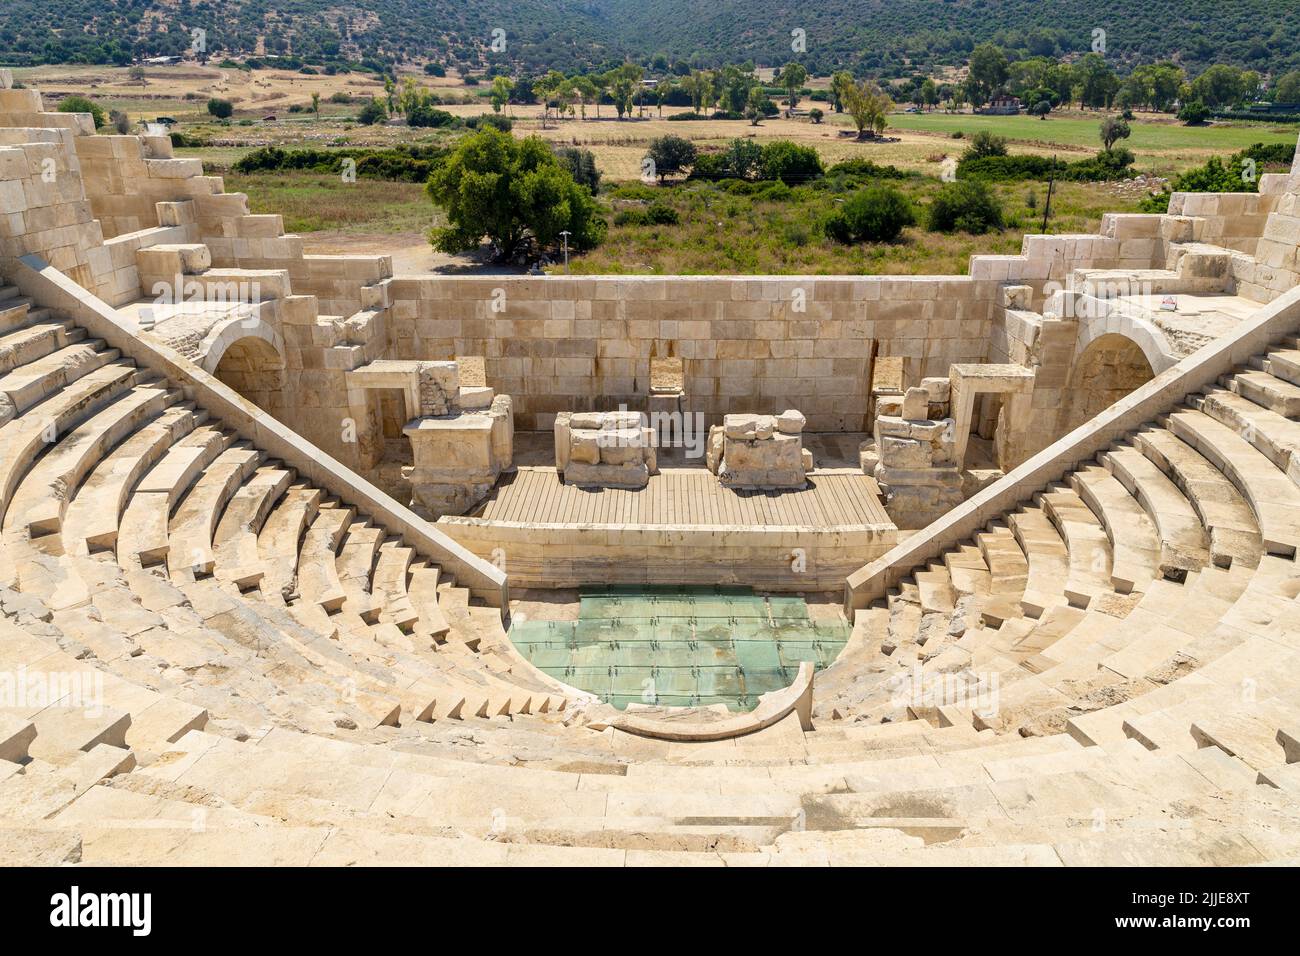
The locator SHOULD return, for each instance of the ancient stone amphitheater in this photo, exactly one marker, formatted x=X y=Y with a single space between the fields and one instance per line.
x=223 y=643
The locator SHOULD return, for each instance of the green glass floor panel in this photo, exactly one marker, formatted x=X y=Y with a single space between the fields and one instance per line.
x=682 y=646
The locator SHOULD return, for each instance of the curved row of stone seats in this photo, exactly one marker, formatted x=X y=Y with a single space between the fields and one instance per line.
x=898 y=794
x=111 y=484
x=1116 y=594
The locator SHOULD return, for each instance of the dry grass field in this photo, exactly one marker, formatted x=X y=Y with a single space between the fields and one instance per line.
x=716 y=233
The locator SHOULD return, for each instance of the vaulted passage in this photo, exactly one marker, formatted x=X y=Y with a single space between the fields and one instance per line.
x=253 y=368
x=1110 y=367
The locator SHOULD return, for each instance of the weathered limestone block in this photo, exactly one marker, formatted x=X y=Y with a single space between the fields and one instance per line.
x=607 y=449
x=439 y=384
x=791 y=422
x=459 y=457
x=713 y=451
x=760 y=451
x=905 y=453
x=916 y=404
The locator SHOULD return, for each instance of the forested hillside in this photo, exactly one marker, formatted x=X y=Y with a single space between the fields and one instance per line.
x=881 y=37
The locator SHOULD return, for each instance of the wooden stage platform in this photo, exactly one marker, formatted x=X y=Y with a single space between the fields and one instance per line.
x=683 y=527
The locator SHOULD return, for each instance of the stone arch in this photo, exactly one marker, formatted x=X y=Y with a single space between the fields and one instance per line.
x=1152 y=342
x=249 y=357
x=1108 y=367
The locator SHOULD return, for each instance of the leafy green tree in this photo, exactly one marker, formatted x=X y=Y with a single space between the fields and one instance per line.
x=221 y=109
x=671 y=154
x=1287 y=89
x=742 y=158
x=757 y=105
x=1112 y=131
x=1194 y=113
x=789 y=162
x=82 y=104
x=816 y=115
x=985 y=143
x=373 y=112
x=792 y=79
x=929 y=94
x=1220 y=86
x=510 y=191
x=989 y=70
x=867 y=104
x=1096 y=81
x=502 y=87
x=875 y=214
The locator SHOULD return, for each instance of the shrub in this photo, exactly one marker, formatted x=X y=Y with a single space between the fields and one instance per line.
x=1194 y=113
x=671 y=154
x=80 y=104
x=372 y=113
x=494 y=120
x=710 y=166
x=121 y=122
x=866 y=169
x=434 y=69
x=340 y=97
x=743 y=157
x=816 y=115
x=406 y=164
x=221 y=109
x=874 y=214
x=426 y=115
x=967 y=205
x=1274 y=154
x=985 y=143
x=789 y=162
x=658 y=213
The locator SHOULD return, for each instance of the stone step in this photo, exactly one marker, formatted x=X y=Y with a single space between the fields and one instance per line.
x=193 y=523
x=1085 y=539
x=355 y=564
x=318 y=578
x=1270 y=433
x=142 y=534
x=1134 y=543
x=36 y=341
x=1047 y=557
x=1272 y=496
x=1184 y=545
x=22 y=438
x=39 y=504
x=281 y=535
x=16 y=735
x=1234 y=534
x=91 y=520
x=1268 y=391
x=1285 y=364
x=392 y=567
x=13 y=313
x=38 y=380
x=235 y=541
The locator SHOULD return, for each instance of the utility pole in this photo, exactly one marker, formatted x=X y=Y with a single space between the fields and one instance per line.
x=565 y=235
x=1047 y=206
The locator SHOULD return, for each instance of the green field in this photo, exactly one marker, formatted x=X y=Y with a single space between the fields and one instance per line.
x=1159 y=143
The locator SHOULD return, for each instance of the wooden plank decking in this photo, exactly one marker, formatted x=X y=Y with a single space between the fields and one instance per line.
x=685 y=496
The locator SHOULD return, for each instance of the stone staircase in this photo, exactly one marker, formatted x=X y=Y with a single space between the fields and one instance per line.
x=1153 y=587
x=116 y=491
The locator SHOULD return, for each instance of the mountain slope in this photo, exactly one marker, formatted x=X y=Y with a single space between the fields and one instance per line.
x=870 y=35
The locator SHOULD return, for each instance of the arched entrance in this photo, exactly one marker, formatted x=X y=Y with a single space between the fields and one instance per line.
x=253 y=366
x=1109 y=367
